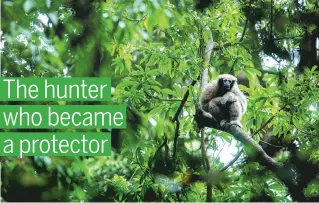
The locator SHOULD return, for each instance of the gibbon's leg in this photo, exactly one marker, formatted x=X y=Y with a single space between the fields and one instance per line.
x=214 y=109
x=235 y=113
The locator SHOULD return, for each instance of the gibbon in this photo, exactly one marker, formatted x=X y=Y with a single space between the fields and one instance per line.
x=223 y=101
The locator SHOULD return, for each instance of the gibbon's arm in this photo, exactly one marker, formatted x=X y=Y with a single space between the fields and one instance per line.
x=228 y=97
x=209 y=93
x=241 y=97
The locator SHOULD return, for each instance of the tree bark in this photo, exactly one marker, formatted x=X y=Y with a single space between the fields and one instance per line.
x=205 y=52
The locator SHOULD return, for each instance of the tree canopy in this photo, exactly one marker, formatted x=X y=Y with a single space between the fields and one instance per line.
x=160 y=54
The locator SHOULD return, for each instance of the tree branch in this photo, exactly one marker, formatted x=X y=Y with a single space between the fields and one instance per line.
x=205 y=52
x=248 y=141
x=161 y=99
x=136 y=20
x=182 y=104
x=175 y=141
x=255 y=133
x=232 y=161
x=239 y=135
x=268 y=121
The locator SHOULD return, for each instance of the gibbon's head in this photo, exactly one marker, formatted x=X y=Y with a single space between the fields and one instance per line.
x=226 y=81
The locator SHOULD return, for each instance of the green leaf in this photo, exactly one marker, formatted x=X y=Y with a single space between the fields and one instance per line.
x=28 y=5
x=169 y=92
x=139 y=156
x=156 y=110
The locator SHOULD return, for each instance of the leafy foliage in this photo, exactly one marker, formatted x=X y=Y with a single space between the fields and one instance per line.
x=150 y=49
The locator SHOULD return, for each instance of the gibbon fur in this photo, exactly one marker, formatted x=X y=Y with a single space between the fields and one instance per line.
x=223 y=100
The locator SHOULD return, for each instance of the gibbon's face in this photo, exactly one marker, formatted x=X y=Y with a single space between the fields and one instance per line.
x=227 y=83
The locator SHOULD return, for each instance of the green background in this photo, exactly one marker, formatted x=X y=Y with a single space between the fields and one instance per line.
x=44 y=111
x=40 y=83
x=17 y=137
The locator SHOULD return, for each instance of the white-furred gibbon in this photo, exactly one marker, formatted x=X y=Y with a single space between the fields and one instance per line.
x=223 y=100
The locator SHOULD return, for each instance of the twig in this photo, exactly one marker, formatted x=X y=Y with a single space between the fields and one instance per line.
x=267 y=143
x=302 y=131
x=218 y=153
x=268 y=121
x=181 y=105
x=159 y=148
x=204 y=155
x=285 y=38
x=264 y=125
x=175 y=140
x=232 y=68
x=239 y=153
x=207 y=168
x=240 y=40
x=245 y=28
x=271 y=16
x=137 y=20
x=158 y=98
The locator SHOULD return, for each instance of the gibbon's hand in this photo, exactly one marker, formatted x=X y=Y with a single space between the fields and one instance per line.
x=229 y=97
x=232 y=98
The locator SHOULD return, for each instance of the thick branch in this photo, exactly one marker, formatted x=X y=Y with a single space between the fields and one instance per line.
x=205 y=52
x=283 y=172
x=239 y=135
x=206 y=56
x=248 y=141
